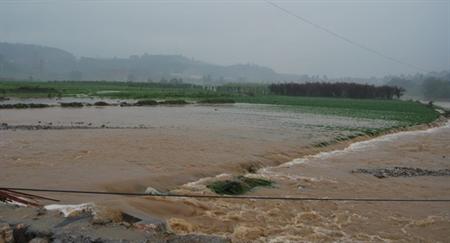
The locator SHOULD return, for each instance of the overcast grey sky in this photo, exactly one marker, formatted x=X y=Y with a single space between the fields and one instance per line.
x=230 y=32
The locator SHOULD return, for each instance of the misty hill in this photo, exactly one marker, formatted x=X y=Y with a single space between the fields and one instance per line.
x=23 y=61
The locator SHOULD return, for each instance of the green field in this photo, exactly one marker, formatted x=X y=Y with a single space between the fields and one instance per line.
x=405 y=112
x=122 y=90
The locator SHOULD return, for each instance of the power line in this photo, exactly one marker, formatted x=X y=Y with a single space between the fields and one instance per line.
x=226 y=197
x=346 y=39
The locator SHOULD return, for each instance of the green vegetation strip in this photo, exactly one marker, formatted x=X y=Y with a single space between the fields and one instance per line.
x=110 y=89
x=406 y=113
x=237 y=186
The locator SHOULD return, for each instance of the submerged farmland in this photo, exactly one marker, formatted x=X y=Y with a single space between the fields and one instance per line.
x=190 y=144
x=164 y=146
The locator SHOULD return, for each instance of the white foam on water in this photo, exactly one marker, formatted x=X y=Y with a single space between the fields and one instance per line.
x=359 y=146
x=68 y=209
x=199 y=184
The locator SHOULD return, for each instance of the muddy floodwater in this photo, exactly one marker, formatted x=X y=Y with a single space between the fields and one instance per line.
x=329 y=175
x=182 y=148
x=179 y=144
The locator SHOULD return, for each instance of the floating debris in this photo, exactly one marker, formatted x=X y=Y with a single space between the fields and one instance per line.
x=402 y=172
x=22 y=199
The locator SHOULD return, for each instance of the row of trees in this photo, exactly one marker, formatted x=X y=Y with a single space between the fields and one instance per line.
x=341 y=90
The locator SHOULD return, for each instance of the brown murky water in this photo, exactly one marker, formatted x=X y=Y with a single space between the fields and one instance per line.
x=186 y=143
x=329 y=175
x=182 y=144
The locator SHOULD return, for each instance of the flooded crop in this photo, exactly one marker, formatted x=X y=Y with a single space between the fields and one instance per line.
x=251 y=149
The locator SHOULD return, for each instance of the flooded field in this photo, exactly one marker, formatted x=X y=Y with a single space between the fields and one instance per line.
x=329 y=175
x=237 y=116
x=182 y=148
x=178 y=144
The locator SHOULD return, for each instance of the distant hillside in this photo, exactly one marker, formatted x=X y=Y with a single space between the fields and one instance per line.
x=23 y=61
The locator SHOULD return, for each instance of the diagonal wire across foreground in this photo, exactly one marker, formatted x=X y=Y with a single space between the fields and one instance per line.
x=227 y=197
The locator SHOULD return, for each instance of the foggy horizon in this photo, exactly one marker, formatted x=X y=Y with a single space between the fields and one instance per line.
x=227 y=33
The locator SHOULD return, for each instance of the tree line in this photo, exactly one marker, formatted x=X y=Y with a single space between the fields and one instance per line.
x=339 y=90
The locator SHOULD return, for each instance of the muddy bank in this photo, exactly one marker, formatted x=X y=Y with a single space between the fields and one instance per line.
x=6 y=126
x=402 y=172
x=23 y=106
